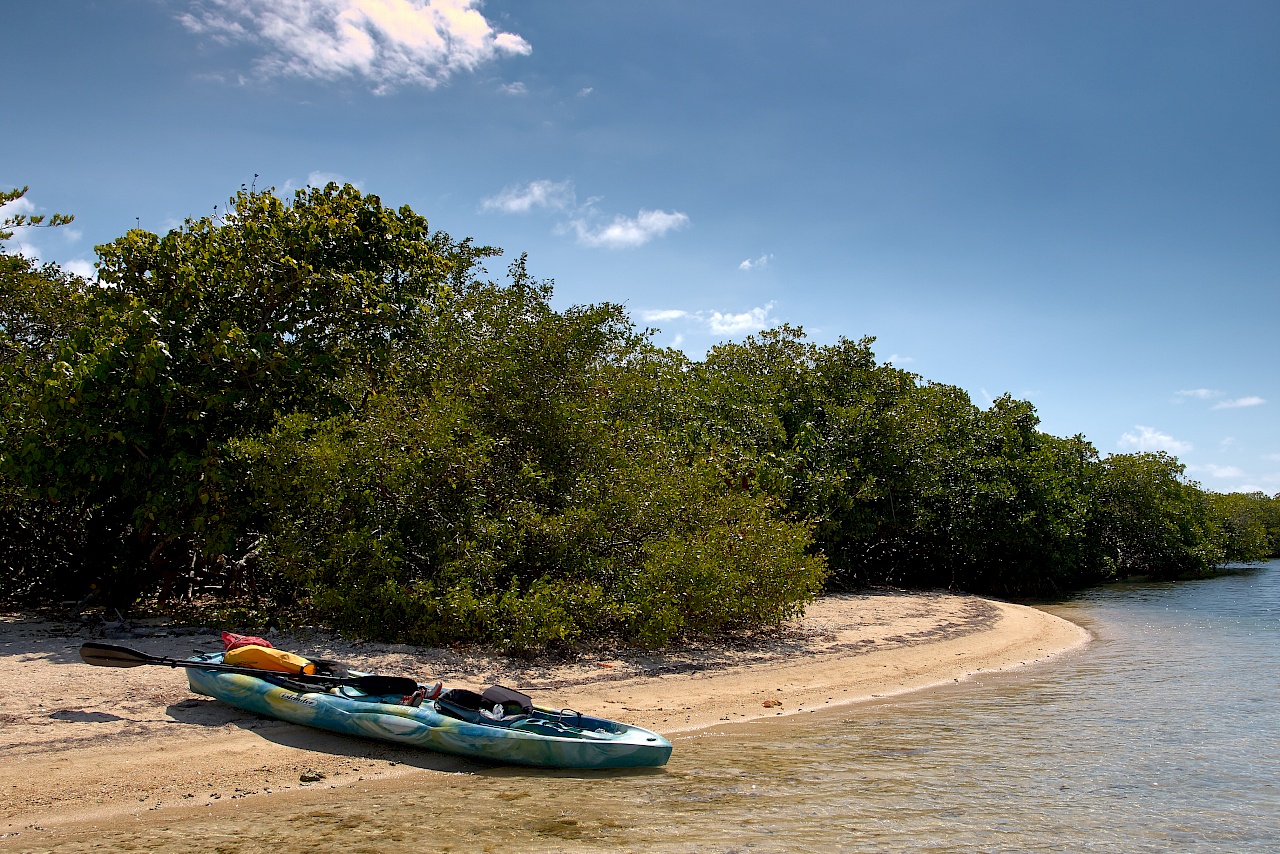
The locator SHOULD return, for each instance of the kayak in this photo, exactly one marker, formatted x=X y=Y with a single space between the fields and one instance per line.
x=456 y=722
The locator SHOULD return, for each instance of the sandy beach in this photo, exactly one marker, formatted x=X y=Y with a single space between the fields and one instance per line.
x=84 y=743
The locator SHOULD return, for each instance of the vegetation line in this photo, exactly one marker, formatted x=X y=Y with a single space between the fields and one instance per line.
x=321 y=409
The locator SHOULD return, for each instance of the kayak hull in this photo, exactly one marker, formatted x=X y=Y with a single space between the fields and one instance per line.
x=546 y=738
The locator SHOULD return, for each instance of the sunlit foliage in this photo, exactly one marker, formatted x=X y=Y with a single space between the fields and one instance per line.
x=324 y=408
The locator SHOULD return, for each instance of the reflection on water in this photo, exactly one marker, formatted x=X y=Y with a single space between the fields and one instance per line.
x=1161 y=734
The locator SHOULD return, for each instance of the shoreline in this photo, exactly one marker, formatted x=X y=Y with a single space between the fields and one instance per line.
x=95 y=744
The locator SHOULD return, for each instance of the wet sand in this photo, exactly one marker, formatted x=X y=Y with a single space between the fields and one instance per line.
x=108 y=745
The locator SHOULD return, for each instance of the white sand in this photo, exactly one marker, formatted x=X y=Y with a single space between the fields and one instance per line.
x=81 y=742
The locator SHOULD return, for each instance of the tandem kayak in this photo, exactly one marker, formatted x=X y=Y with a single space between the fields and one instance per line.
x=453 y=723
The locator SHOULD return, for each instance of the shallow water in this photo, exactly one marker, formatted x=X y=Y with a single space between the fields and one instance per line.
x=1162 y=734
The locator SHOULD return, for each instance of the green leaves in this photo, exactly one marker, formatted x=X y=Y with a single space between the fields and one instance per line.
x=508 y=488
x=22 y=220
x=1153 y=522
x=325 y=403
x=126 y=394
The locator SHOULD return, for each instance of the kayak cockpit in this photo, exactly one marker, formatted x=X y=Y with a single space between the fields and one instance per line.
x=502 y=707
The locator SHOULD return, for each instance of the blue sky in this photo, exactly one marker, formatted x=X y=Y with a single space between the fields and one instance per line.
x=1074 y=202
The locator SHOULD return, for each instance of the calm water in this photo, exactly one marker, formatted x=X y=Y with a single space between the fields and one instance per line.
x=1162 y=734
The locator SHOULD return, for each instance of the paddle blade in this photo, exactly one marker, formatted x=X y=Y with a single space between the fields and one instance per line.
x=383 y=685
x=106 y=655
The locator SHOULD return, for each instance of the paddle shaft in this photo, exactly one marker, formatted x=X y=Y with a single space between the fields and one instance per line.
x=109 y=655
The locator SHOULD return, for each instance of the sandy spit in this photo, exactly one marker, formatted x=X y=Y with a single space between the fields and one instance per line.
x=82 y=743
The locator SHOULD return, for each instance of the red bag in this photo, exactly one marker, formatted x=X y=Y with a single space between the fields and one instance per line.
x=232 y=641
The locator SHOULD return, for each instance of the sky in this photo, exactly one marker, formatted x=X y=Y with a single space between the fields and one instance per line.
x=1077 y=203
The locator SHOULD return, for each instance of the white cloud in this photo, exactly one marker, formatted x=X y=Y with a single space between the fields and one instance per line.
x=585 y=91
x=536 y=194
x=896 y=359
x=1200 y=393
x=20 y=205
x=628 y=232
x=717 y=322
x=1150 y=439
x=27 y=250
x=23 y=206
x=734 y=324
x=81 y=267
x=663 y=314
x=1214 y=394
x=1271 y=458
x=1237 y=403
x=516 y=88
x=320 y=179
x=386 y=42
x=1216 y=471
x=751 y=264
x=323 y=179
x=622 y=232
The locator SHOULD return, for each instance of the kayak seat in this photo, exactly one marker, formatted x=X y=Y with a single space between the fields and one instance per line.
x=497 y=705
x=461 y=704
x=512 y=701
x=461 y=697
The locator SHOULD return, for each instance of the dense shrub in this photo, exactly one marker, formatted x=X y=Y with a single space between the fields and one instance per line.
x=326 y=409
x=489 y=495
x=1153 y=522
x=1250 y=524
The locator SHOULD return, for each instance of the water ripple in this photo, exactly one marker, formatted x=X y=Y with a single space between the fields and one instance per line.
x=1163 y=734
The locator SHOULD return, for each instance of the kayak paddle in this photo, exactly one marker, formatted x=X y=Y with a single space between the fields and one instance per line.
x=108 y=655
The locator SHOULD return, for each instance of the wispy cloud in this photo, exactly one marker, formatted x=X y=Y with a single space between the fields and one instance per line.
x=898 y=359
x=663 y=314
x=585 y=91
x=321 y=179
x=324 y=179
x=1199 y=393
x=1216 y=471
x=753 y=263
x=1215 y=394
x=1271 y=458
x=1150 y=439
x=626 y=232
x=584 y=220
x=717 y=322
x=386 y=42
x=1239 y=402
x=516 y=88
x=548 y=195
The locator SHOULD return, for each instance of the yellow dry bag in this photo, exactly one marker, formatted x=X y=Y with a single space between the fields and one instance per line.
x=265 y=658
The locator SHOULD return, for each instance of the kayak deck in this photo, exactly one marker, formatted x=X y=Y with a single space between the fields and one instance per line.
x=544 y=737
